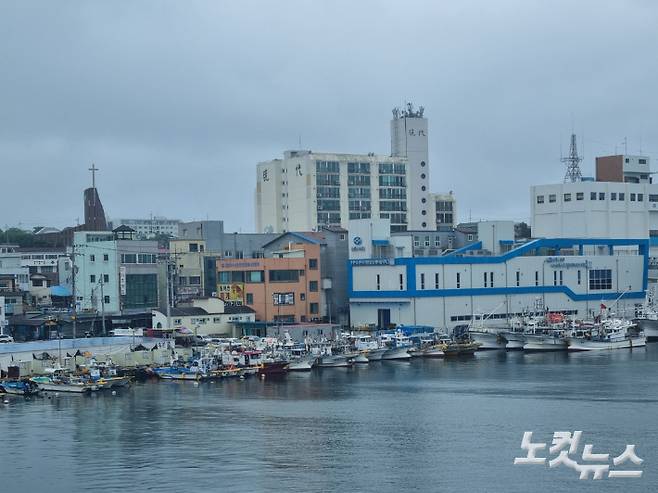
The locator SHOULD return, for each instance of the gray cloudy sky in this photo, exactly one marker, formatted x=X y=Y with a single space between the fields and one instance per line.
x=176 y=102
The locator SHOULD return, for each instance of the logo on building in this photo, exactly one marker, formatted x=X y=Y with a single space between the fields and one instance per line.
x=357 y=241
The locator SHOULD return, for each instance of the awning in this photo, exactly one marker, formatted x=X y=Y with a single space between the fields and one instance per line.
x=62 y=291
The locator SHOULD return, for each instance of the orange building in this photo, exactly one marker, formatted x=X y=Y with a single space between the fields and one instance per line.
x=286 y=287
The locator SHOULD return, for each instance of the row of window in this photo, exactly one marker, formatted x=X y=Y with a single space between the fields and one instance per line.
x=599 y=279
x=139 y=258
x=614 y=196
x=104 y=277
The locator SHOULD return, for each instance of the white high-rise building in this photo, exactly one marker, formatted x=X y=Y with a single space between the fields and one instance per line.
x=307 y=190
x=409 y=140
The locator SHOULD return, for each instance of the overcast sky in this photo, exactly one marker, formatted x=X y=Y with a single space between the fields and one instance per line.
x=176 y=102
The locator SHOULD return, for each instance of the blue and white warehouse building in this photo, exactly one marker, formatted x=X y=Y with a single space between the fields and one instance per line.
x=495 y=277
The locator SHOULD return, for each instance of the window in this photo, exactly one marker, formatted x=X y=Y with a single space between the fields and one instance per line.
x=195 y=280
x=491 y=279
x=552 y=197
x=580 y=195
x=600 y=279
x=422 y=281
x=601 y=196
x=518 y=278
x=129 y=258
x=613 y=196
x=554 y=278
x=314 y=308
x=313 y=286
x=401 y=282
x=378 y=282
x=540 y=199
x=536 y=278
x=485 y=279
x=284 y=275
x=106 y=299
x=632 y=197
x=106 y=257
x=640 y=197
x=302 y=296
x=470 y=237
x=255 y=276
x=313 y=263
x=567 y=197
x=92 y=279
x=224 y=277
x=436 y=281
x=642 y=161
x=579 y=277
x=92 y=258
x=653 y=198
x=437 y=242
x=416 y=241
x=459 y=283
x=250 y=299
x=622 y=196
x=106 y=278
x=141 y=291
x=592 y=195
x=561 y=278
x=427 y=241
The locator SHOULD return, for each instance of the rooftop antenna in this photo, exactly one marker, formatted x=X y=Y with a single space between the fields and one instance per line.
x=572 y=161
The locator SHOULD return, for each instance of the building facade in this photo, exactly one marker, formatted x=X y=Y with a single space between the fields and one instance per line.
x=307 y=190
x=210 y=316
x=498 y=278
x=284 y=288
x=188 y=257
x=149 y=228
x=116 y=273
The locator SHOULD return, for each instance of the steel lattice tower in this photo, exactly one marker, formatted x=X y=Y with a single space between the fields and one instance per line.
x=572 y=161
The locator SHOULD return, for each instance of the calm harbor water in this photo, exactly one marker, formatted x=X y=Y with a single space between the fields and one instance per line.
x=430 y=425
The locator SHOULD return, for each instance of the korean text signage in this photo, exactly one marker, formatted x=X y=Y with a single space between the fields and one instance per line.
x=231 y=294
x=562 y=263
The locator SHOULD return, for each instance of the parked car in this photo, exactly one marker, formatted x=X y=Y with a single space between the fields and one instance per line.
x=6 y=338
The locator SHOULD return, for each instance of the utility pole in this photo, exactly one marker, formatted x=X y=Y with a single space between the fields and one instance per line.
x=103 y=307
x=74 y=315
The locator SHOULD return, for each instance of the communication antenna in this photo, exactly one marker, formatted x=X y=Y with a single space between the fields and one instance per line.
x=572 y=161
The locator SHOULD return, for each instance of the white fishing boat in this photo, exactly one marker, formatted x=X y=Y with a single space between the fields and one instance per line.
x=435 y=351
x=301 y=364
x=333 y=361
x=551 y=340
x=647 y=321
x=610 y=334
x=489 y=338
x=361 y=358
x=397 y=353
x=63 y=384
x=375 y=354
x=397 y=346
x=515 y=339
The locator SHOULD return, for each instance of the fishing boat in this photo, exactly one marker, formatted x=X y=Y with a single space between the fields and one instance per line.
x=193 y=373
x=18 y=387
x=301 y=364
x=434 y=351
x=61 y=383
x=610 y=334
x=398 y=346
x=546 y=333
x=368 y=348
x=333 y=361
x=273 y=367
x=647 y=321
